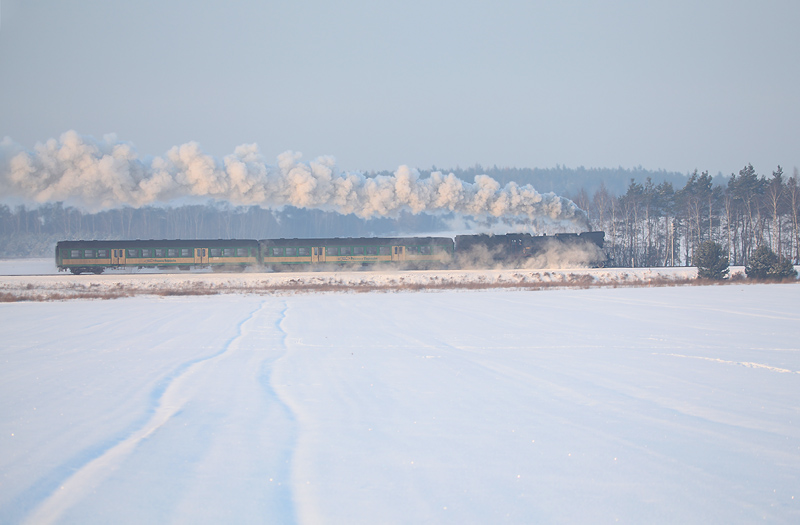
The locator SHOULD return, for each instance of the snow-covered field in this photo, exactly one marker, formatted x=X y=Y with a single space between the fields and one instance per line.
x=637 y=405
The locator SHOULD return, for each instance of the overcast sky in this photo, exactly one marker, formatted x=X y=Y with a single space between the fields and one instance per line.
x=673 y=85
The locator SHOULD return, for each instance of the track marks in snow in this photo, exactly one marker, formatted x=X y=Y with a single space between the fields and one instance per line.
x=746 y=364
x=284 y=457
x=224 y=399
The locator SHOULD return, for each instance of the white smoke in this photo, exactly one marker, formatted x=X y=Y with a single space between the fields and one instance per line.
x=96 y=175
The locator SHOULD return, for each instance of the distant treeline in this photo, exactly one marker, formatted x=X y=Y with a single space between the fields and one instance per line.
x=570 y=181
x=651 y=218
x=33 y=232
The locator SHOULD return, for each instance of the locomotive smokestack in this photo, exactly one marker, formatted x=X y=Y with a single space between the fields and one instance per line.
x=100 y=174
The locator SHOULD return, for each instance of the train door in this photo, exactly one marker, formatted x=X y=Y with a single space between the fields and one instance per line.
x=398 y=253
x=118 y=257
x=200 y=256
x=317 y=254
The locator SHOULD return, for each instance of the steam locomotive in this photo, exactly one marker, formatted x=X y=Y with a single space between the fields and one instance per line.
x=513 y=250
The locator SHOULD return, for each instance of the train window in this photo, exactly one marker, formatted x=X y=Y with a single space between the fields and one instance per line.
x=74 y=254
x=425 y=250
x=172 y=252
x=214 y=252
x=186 y=252
x=160 y=252
x=147 y=252
x=384 y=250
x=276 y=252
x=102 y=254
x=358 y=250
x=88 y=254
x=345 y=250
x=241 y=252
x=372 y=250
x=227 y=252
x=303 y=251
x=330 y=251
x=290 y=252
x=412 y=249
x=133 y=253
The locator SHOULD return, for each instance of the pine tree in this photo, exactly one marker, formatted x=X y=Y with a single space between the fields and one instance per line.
x=783 y=269
x=710 y=261
x=765 y=264
x=760 y=263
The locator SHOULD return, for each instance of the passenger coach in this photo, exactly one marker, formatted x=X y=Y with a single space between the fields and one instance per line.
x=365 y=251
x=95 y=256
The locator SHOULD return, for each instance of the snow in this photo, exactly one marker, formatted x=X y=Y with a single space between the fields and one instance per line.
x=23 y=279
x=656 y=405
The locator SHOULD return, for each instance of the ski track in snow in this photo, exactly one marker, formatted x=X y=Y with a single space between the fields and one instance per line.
x=266 y=379
x=169 y=399
x=737 y=363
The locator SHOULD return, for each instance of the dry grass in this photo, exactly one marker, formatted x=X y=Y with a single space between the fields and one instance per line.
x=7 y=297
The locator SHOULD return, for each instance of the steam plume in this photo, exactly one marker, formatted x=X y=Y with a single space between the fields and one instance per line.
x=100 y=174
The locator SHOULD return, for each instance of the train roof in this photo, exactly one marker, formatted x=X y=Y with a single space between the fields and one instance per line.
x=360 y=241
x=158 y=243
x=529 y=235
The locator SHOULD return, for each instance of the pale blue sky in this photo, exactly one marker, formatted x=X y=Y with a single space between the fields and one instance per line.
x=673 y=85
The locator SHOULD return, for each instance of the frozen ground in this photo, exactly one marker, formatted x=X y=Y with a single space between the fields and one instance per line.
x=643 y=405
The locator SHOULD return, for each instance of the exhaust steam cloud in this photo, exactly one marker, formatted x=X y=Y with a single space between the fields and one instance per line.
x=96 y=175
